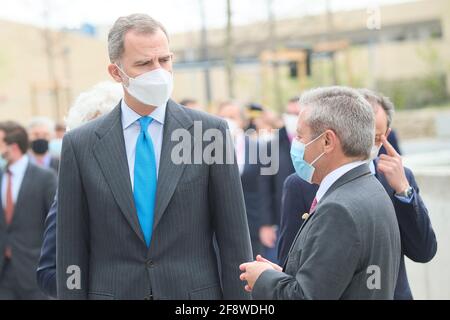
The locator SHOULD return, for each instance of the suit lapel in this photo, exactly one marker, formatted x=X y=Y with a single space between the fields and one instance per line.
x=297 y=235
x=111 y=156
x=169 y=173
x=353 y=174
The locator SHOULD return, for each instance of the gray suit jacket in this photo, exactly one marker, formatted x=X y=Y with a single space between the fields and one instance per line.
x=352 y=229
x=24 y=234
x=98 y=228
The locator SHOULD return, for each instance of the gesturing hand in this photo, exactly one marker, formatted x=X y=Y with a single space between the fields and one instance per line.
x=251 y=272
x=391 y=166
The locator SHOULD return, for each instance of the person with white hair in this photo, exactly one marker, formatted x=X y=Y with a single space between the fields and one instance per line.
x=41 y=131
x=99 y=100
x=89 y=105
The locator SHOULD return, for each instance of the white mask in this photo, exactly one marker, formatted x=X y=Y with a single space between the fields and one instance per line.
x=152 y=88
x=290 y=122
x=374 y=152
x=3 y=163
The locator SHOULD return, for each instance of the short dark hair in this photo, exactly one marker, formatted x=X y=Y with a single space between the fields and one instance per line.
x=15 y=133
x=375 y=98
x=60 y=127
x=187 y=101
x=295 y=99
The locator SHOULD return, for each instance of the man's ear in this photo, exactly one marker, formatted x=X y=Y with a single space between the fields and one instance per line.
x=114 y=72
x=330 y=140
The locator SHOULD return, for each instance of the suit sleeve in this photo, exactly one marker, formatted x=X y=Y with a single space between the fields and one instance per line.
x=50 y=190
x=46 y=272
x=418 y=238
x=326 y=265
x=266 y=191
x=71 y=229
x=229 y=221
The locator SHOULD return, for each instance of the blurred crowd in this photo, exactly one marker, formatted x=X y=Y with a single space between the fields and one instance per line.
x=274 y=208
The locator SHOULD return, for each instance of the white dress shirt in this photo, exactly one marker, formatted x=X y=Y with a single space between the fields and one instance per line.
x=333 y=176
x=17 y=169
x=132 y=129
x=240 y=151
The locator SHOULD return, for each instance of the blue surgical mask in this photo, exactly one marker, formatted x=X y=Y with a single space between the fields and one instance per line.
x=3 y=163
x=55 y=147
x=303 y=169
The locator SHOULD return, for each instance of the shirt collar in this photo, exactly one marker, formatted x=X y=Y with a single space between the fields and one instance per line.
x=372 y=167
x=18 y=168
x=333 y=176
x=129 y=116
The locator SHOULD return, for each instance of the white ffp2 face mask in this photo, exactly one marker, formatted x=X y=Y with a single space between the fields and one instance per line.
x=152 y=88
x=374 y=152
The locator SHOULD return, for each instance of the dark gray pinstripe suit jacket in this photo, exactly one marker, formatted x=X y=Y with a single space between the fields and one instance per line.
x=98 y=228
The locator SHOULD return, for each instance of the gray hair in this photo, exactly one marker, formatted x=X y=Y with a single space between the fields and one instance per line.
x=42 y=122
x=96 y=102
x=139 y=22
x=344 y=111
x=380 y=100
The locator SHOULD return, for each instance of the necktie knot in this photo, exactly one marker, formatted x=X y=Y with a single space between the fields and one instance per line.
x=144 y=123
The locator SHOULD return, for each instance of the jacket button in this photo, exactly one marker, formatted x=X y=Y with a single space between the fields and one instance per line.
x=150 y=264
x=149 y=297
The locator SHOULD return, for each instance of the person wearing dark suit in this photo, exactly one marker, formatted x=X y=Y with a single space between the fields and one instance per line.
x=27 y=193
x=46 y=270
x=349 y=245
x=272 y=186
x=418 y=239
x=137 y=209
x=298 y=195
x=247 y=155
x=90 y=105
x=417 y=235
x=40 y=132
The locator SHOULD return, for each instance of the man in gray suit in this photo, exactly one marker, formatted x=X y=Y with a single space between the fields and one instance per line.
x=27 y=192
x=349 y=245
x=132 y=221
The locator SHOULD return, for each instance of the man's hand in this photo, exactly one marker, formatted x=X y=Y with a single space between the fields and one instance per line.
x=252 y=271
x=274 y=265
x=391 y=166
x=268 y=236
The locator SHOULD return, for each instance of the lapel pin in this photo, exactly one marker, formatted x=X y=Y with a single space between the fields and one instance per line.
x=305 y=216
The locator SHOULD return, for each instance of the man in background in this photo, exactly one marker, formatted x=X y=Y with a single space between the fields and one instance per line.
x=254 y=185
x=40 y=131
x=27 y=192
x=191 y=103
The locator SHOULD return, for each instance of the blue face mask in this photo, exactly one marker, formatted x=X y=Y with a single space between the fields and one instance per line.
x=3 y=163
x=303 y=169
x=55 y=147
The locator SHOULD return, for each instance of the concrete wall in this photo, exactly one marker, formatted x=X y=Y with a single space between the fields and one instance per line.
x=432 y=280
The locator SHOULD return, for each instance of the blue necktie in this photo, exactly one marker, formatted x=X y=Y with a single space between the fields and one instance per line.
x=145 y=180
